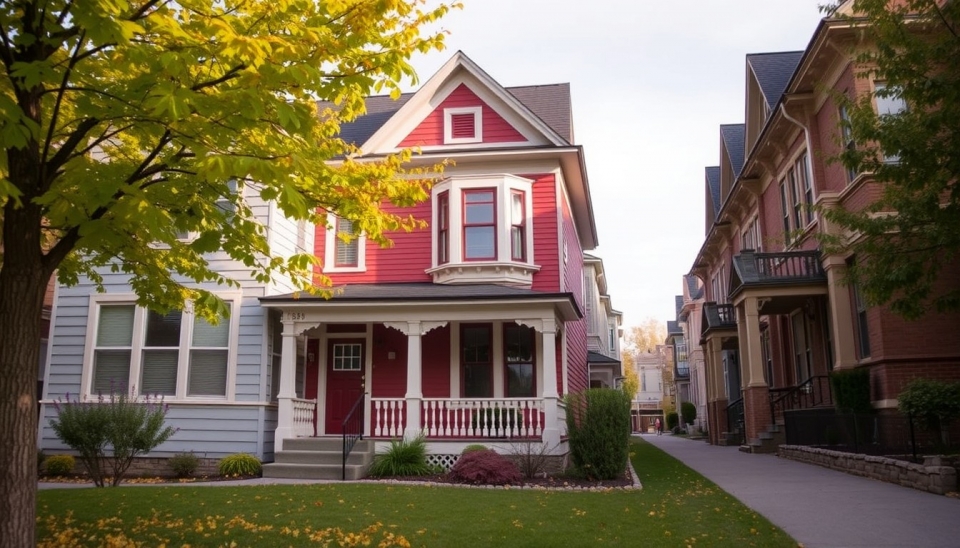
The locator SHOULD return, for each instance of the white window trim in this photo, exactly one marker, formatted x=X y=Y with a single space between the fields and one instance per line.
x=330 y=250
x=139 y=324
x=501 y=268
x=448 y=114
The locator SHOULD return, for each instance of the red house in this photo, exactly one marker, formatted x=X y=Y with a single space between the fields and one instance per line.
x=471 y=328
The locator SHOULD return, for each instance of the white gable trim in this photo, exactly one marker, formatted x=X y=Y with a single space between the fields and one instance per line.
x=439 y=87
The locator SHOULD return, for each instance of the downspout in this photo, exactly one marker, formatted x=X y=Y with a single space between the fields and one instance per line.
x=806 y=134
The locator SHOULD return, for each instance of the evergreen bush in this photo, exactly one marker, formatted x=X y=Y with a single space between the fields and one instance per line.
x=485 y=468
x=934 y=403
x=239 y=464
x=184 y=465
x=60 y=465
x=673 y=420
x=688 y=412
x=851 y=390
x=403 y=458
x=598 y=426
x=116 y=426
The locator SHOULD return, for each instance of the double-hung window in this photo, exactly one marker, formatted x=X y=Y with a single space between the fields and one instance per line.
x=796 y=197
x=750 y=238
x=518 y=226
x=477 y=360
x=846 y=135
x=344 y=248
x=479 y=225
x=443 y=228
x=518 y=351
x=889 y=103
x=863 y=328
x=176 y=355
x=785 y=209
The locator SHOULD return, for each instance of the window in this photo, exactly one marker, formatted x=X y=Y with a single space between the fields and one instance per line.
x=463 y=125
x=344 y=248
x=863 y=329
x=479 y=225
x=227 y=204
x=805 y=186
x=718 y=286
x=477 y=361
x=889 y=102
x=175 y=354
x=766 y=353
x=796 y=197
x=517 y=226
x=612 y=338
x=846 y=134
x=443 y=228
x=518 y=352
x=347 y=357
x=347 y=244
x=785 y=209
x=483 y=221
x=750 y=237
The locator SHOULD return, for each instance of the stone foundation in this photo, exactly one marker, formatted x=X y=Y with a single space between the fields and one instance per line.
x=151 y=467
x=932 y=478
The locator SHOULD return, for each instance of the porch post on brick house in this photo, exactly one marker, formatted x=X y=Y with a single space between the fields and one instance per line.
x=756 y=395
x=288 y=361
x=841 y=314
x=551 y=431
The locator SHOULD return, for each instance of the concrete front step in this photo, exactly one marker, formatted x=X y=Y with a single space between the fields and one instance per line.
x=313 y=471
x=319 y=459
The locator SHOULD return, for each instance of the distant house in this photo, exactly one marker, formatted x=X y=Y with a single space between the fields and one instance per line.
x=683 y=338
x=647 y=405
x=603 y=327
x=778 y=316
x=469 y=330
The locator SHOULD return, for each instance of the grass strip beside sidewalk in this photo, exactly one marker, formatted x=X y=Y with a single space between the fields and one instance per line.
x=676 y=507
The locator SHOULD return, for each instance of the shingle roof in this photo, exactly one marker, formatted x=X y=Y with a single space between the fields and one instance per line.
x=713 y=185
x=417 y=291
x=673 y=328
x=678 y=301
x=551 y=103
x=693 y=285
x=773 y=71
x=733 y=136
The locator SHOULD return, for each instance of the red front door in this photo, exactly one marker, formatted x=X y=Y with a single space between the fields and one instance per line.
x=345 y=359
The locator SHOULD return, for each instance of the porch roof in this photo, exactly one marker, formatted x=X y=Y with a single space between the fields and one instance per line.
x=596 y=358
x=414 y=293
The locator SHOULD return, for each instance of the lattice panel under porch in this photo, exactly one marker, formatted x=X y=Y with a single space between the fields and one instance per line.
x=443 y=461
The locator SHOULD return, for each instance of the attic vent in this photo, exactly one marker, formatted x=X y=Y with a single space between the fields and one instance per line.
x=462 y=125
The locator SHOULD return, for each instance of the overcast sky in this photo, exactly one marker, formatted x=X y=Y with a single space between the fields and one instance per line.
x=651 y=84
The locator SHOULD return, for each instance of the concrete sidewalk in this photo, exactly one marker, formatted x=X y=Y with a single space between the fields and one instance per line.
x=820 y=507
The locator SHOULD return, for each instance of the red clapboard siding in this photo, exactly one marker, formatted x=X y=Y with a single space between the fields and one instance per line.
x=430 y=130
x=545 y=233
x=436 y=363
x=389 y=376
x=405 y=261
x=578 y=374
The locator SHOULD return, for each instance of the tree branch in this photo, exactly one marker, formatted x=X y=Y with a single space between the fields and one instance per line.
x=230 y=75
x=56 y=114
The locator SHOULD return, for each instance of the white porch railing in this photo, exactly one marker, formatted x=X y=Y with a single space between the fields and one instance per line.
x=303 y=412
x=462 y=418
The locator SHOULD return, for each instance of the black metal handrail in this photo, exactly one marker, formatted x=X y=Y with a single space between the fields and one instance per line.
x=813 y=392
x=352 y=428
x=735 y=420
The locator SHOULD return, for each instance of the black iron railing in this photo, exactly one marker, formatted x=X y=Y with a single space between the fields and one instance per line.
x=352 y=429
x=718 y=316
x=790 y=265
x=868 y=434
x=735 y=421
x=683 y=371
x=813 y=392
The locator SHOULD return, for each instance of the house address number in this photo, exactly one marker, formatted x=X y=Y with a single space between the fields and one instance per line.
x=296 y=316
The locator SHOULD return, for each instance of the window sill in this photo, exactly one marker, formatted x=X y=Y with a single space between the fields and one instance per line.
x=507 y=273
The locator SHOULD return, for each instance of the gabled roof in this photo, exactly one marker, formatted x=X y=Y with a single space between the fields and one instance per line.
x=551 y=103
x=733 y=136
x=678 y=302
x=713 y=185
x=773 y=72
x=673 y=328
x=694 y=289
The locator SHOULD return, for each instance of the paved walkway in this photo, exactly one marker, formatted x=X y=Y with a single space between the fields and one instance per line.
x=820 y=507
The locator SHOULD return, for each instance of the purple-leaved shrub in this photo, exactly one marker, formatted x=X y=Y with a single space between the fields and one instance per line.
x=485 y=467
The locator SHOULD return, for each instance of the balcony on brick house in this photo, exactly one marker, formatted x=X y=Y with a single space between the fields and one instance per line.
x=717 y=317
x=763 y=272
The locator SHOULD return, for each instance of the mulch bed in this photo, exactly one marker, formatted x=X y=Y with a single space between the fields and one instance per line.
x=549 y=482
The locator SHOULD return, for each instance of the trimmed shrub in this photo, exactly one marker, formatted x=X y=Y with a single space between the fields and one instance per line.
x=598 y=426
x=128 y=426
x=403 y=458
x=60 y=465
x=239 y=464
x=473 y=447
x=851 y=390
x=673 y=420
x=484 y=468
x=688 y=412
x=934 y=403
x=184 y=465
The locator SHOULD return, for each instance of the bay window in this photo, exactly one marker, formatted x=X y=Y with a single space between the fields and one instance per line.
x=483 y=221
x=141 y=352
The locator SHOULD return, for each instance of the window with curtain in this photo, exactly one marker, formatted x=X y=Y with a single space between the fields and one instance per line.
x=518 y=351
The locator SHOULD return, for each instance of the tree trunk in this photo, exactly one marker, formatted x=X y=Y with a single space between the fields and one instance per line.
x=23 y=282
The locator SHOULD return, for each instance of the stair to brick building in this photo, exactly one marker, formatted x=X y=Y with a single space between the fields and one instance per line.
x=319 y=459
x=768 y=441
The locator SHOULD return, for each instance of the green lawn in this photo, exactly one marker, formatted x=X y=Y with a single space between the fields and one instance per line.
x=677 y=507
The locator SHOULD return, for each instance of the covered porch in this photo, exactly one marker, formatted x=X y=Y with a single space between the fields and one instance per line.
x=453 y=364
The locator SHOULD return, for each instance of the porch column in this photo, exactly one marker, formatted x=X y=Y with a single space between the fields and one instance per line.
x=288 y=373
x=551 y=430
x=414 y=393
x=750 y=346
x=841 y=315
